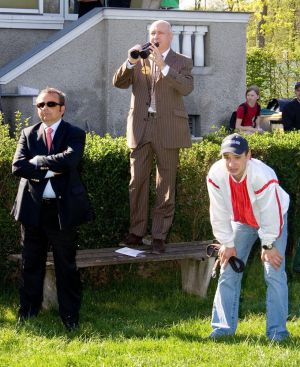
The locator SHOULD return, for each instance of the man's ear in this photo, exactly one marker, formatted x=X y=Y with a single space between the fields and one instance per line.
x=249 y=156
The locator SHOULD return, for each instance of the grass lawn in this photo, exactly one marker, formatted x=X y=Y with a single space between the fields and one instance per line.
x=149 y=322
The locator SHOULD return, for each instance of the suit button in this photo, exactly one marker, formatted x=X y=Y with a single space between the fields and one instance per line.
x=59 y=197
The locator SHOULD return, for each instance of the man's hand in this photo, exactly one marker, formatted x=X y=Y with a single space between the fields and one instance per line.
x=130 y=58
x=225 y=254
x=157 y=57
x=272 y=256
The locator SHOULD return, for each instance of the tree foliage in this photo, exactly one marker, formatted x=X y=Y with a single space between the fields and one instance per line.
x=274 y=39
x=261 y=71
x=273 y=43
x=274 y=24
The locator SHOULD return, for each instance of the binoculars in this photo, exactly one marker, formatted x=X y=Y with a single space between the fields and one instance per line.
x=145 y=51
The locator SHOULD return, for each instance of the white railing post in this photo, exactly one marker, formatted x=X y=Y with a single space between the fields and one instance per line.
x=186 y=47
x=199 y=45
x=187 y=40
x=177 y=29
x=148 y=36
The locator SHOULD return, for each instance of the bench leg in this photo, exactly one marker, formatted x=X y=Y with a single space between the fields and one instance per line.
x=196 y=275
x=50 y=294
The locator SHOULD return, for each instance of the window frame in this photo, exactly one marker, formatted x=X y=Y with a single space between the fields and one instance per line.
x=38 y=10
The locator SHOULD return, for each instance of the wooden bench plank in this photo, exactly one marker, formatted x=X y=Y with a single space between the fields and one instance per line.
x=196 y=267
x=108 y=256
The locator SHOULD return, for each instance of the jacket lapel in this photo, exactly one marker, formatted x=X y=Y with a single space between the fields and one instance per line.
x=58 y=137
x=169 y=60
x=170 y=57
x=41 y=140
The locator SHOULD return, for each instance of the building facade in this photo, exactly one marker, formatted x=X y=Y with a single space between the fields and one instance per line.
x=81 y=56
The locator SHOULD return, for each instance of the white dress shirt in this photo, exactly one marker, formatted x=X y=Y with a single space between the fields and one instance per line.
x=164 y=71
x=48 y=192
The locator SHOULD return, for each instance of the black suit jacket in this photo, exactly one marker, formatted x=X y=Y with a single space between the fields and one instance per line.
x=65 y=158
x=291 y=115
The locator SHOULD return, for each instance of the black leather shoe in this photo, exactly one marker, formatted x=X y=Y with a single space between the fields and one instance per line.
x=71 y=324
x=132 y=240
x=158 y=246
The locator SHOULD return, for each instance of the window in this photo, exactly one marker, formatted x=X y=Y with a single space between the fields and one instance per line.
x=62 y=8
x=52 y=7
x=21 y=6
x=194 y=124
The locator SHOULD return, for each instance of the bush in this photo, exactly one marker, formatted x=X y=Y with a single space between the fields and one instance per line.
x=8 y=186
x=106 y=175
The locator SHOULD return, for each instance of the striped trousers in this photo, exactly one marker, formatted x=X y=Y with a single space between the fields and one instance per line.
x=141 y=163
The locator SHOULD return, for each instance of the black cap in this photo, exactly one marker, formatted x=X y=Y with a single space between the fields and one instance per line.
x=297 y=85
x=234 y=143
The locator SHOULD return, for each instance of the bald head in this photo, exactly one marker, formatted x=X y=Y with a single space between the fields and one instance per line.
x=162 y=23
x=161 y=32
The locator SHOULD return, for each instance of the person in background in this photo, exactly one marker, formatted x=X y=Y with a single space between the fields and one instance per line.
x=247 y=202
x=157 y=127
x=51 y=203
x=247 y=114
x=291 y=112
x=84 y=6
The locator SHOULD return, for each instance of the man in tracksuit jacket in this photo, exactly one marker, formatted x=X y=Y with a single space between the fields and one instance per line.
x=247 y=202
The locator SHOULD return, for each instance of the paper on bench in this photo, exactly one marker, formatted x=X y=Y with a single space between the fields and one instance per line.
x=130 y=252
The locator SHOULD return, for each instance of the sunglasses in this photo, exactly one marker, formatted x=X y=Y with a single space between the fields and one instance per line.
x=48 y=104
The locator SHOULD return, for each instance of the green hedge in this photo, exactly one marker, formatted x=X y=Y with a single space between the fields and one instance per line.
x=106 y=175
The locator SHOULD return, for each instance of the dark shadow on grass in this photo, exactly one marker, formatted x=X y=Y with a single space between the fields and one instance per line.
x=137 y=308
x=132 y=308
x=98 y=330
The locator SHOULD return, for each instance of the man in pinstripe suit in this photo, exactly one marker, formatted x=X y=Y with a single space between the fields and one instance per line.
x=157 y=126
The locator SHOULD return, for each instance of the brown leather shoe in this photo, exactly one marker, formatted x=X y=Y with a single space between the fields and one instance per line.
x=158 y=246
x=132 y=240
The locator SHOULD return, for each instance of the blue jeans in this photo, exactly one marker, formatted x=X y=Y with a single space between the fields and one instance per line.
x=226 y=302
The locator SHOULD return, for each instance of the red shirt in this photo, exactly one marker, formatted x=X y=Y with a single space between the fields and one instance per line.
x=248 y=117
x=242 y=208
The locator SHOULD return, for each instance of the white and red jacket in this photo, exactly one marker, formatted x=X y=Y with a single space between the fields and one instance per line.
x=269 y=201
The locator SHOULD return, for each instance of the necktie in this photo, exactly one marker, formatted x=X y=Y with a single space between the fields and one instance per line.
x=49 y=138
x=154 y=77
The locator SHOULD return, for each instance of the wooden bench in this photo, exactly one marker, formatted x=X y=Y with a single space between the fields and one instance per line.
x=196 y=267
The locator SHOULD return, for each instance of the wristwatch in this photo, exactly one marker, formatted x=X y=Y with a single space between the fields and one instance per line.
x=268 y=246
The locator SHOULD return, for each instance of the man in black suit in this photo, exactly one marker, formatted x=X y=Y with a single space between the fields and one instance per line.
x=51 y=202
x=291 y=112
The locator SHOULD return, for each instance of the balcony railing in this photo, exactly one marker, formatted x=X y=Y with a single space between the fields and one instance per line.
x=189 y=40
